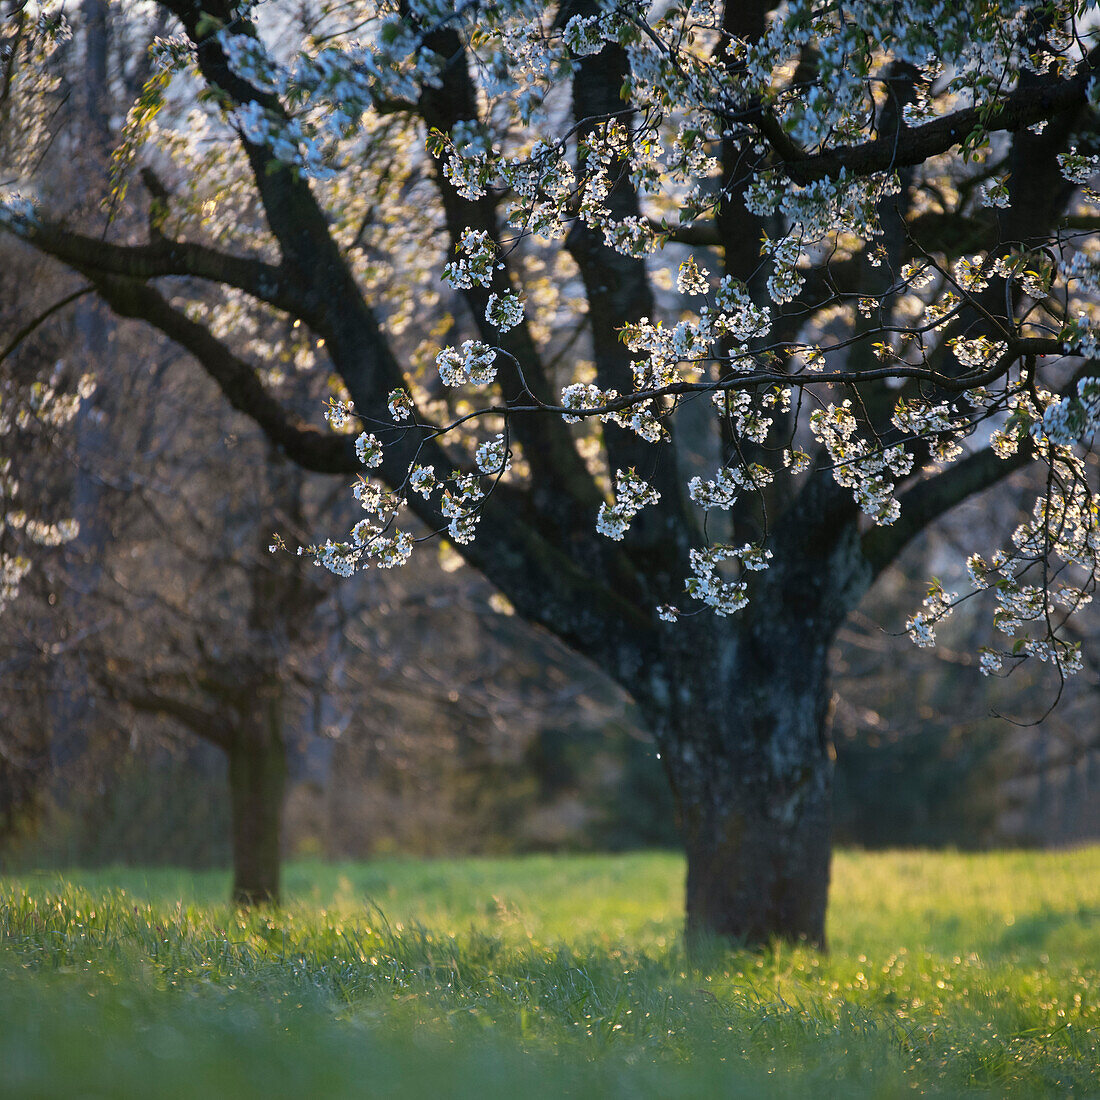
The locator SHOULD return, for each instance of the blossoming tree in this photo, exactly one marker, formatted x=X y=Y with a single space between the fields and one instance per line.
x=679 y=321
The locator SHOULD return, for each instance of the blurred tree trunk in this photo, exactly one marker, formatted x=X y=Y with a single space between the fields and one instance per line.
x=282 y=599
x=257 y=785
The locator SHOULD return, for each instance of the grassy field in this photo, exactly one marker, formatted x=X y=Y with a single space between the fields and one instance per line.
x=550 y=976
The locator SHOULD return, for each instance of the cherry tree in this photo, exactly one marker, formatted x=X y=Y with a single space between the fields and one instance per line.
x=679 y=322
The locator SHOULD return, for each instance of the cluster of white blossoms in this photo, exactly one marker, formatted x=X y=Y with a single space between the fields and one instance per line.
x=687 y=88
x=1083 y=269
x=690 y=344
x=1061 y=538
x=748 y=415
x=368 y=450
x=504 y=311
x=584 y=395
x=690 y=279
x=472 y=362
x=707 y=585
x=936 y=423
x=937 y=605
x=13 y=571
x=632 y=494
x=477 y=260
x=369 y=545
x=978 y=352
x=332 y=90
x=870 y=470
x=725 y=597
x=542 y=183
x=1078 y=168
x=47 y=534
x=1071 y=418
x=492 y=456
x=585 y=35
x=400 y=404
x=642 y=418
x=288 y=139
x=422 y=480
x=47 y=403
x=338 y=413
x=722 y=492
x=460 y=507
x=373 y=540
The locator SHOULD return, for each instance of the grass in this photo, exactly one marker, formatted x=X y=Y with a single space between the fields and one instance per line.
x=550 y=976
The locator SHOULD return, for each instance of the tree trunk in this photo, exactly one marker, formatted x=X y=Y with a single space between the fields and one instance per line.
x=751 y=769
x=740 y=707
x=257 y=783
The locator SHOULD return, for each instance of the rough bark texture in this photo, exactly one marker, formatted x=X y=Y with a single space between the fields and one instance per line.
x=740 y=709
x=752 y=774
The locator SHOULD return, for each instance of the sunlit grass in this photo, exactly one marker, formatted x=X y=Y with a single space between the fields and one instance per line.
x=551 y=976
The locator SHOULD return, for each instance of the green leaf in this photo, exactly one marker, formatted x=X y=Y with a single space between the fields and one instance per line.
x=207 y=25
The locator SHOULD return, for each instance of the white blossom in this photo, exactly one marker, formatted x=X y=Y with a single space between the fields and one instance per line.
x=368 y=450
x=632 y=494
x=399 y=404
x=504 y=311
x=472 y=362
x=492 y=456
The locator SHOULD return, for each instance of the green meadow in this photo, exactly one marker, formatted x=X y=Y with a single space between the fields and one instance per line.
x=550 y=976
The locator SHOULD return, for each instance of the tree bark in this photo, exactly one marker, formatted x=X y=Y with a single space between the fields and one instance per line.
x=752 y=775
x=740 y=708
x=257 y=784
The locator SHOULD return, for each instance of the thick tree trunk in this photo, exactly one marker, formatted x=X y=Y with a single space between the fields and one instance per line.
x=753 y=780
x=257 y=784
x=755 y=788
x=740 y=708
x=758 y=868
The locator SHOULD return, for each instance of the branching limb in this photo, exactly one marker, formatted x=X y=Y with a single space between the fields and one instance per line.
x=618 y=291
x=263 y=281
x=45 y=315
x=1041 y=99
x=547 y=443
x=323 y=452
x=144 y=697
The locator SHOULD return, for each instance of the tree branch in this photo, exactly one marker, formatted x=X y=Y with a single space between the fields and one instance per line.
x=321 y=451
x=547 y=442
x=618 y=291
x=1041 y=99
x=45 y=315
x=198 y=721
x=538 y=577
x=263 y=281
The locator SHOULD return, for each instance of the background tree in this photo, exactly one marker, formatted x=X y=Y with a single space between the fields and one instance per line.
x=167 y=617
x=915 y=175
x=37 y=397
